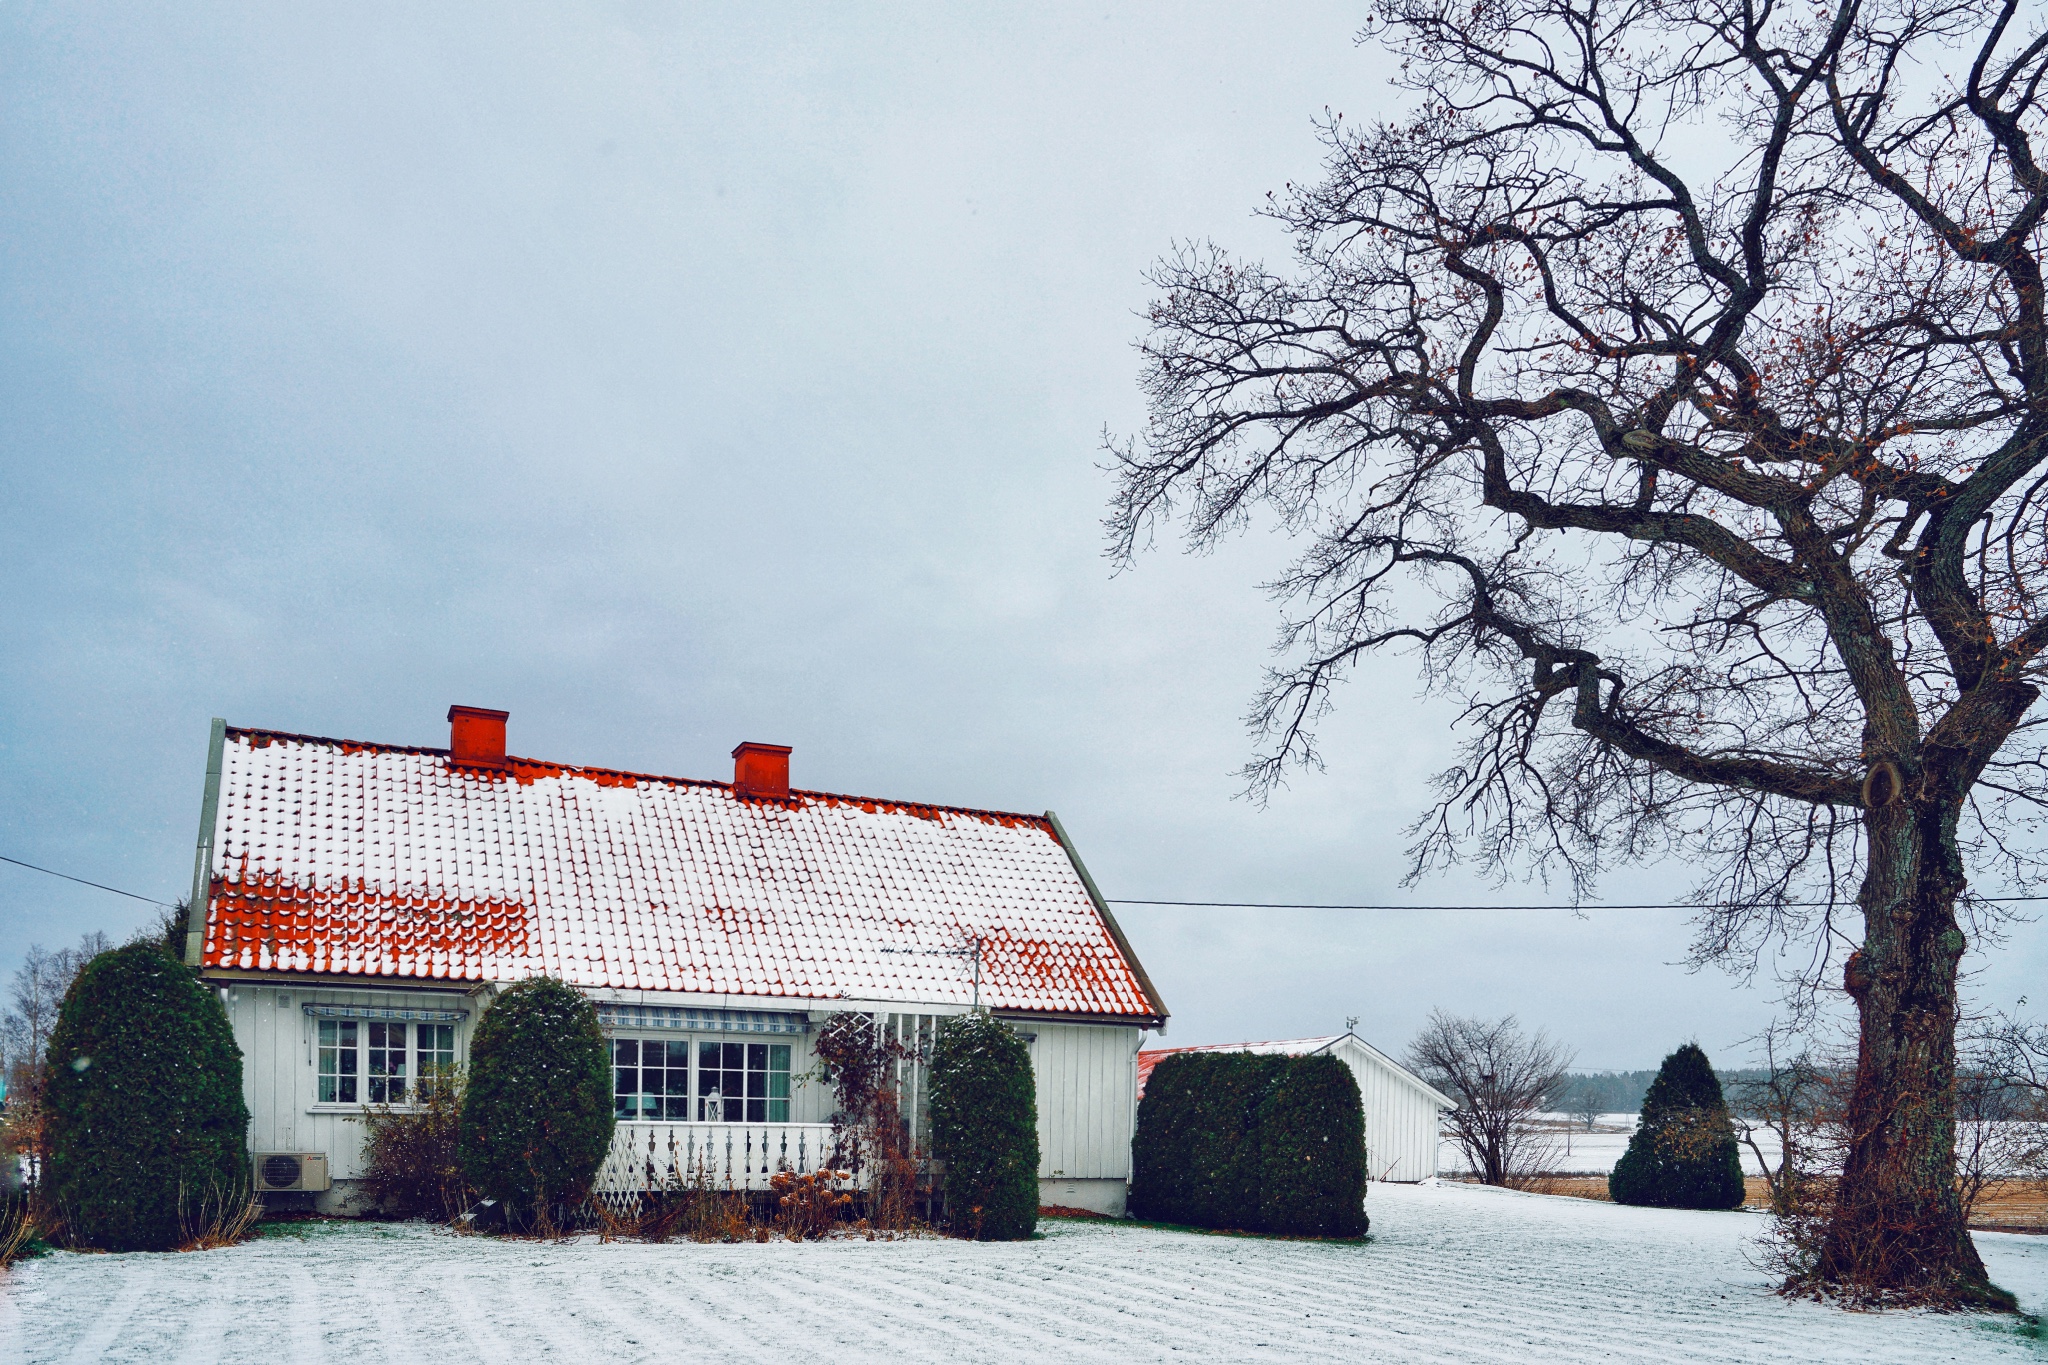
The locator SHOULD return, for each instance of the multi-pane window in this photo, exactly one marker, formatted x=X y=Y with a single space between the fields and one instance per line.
x=338 y=1059
x=386 y=1057
x=734 y=1082
x=743 y=1082
x=433 y=1055
x=650 y=1078
x=378 y=1061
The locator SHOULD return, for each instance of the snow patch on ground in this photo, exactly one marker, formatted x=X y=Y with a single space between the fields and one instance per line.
x=1455 y=1273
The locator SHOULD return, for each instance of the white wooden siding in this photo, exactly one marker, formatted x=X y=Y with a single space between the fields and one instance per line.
x=1400 y=1119
x=1086 y=1078
x=1087 y=1098
x=277 y=1065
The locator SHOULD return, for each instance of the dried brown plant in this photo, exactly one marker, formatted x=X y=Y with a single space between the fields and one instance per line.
x=216 y=1217
x=810 y=1206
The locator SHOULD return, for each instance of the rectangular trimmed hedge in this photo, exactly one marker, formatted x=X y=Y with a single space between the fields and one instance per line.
x=1253 y=1143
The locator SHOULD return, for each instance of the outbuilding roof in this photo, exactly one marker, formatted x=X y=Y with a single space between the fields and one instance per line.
x=375 y=860
x=1338 y=1043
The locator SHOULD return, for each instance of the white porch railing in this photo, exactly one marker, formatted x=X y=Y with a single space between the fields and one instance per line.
x=734 y=1156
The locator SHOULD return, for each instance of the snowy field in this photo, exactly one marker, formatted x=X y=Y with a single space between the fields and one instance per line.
x=1452 y=1274
x=1578 y=1152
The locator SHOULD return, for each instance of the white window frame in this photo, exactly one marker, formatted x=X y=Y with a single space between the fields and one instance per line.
x=342 y=1020
x=696 y=1097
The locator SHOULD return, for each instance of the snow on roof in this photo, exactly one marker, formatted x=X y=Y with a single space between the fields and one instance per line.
x=374 y=860
x=1292 y=1047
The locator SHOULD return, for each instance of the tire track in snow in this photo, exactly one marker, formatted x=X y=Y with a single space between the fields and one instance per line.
x=1072 y=1290
x=799 y=1303
x=986 y=1312
x=540 y=1304
x=735 y=1346
x=1219 y=1294
x=484 y=1342
x=205 y=1338
x=105 y=1329
x=309 y=1342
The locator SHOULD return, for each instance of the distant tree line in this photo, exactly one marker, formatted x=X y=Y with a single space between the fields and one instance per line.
x=1585 y=1095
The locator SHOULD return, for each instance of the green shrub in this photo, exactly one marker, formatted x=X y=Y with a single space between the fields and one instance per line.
x=1196 y=1152
x=536 y=1117
x=1311 y=1133
x=1250 y=1142
x=985 y=1128
x=1683 y=1154
x=144 y=1118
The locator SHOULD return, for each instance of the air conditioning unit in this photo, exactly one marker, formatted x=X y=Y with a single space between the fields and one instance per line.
x=294 y=1171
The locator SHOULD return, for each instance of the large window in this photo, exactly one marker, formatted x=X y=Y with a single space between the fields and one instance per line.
x=379 y=1061
x=650 y=1079
x=733 y=1082
x=743 y=1082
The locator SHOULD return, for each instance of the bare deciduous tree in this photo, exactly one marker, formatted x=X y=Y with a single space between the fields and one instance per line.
x=1798 y=1101
x=1588 y=1097
x=34 y=998
x=2001 y=1106
x=1690 y=358
x=1502 y=1079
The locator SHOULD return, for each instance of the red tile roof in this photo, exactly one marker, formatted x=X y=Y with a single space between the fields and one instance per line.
x=1291 y=1047
x=376 y=860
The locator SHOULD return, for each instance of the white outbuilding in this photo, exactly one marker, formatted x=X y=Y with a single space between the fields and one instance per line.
x=1400 y=1107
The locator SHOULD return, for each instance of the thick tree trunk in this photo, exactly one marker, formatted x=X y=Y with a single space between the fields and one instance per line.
x=1897 y=1229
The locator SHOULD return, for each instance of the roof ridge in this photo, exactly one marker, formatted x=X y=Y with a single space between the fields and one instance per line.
x=378 y=746
x=1251 y=1042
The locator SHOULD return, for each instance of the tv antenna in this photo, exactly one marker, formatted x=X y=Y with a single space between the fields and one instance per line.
x=972 y=949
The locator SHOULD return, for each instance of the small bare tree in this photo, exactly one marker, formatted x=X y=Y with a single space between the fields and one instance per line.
x=1587 y=1098
x=2001 y=1107
x=1798 y=1101
x=34 y=997
x=1502 y=1079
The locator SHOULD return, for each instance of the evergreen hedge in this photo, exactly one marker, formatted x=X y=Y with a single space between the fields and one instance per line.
x=536 y=1117
x=985 y=1128
x=1312 y=1151
x=1683 y=1154
x=1250 y=1142
x=143 y=1107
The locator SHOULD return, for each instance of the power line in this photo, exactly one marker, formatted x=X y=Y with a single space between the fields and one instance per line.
x=1665 y=905
x=101 y=886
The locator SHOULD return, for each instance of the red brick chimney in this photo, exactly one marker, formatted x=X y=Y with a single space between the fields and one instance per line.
x=761 y=770
x=476 y=737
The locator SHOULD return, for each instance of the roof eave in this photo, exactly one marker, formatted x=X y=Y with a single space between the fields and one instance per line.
x=1116 y=932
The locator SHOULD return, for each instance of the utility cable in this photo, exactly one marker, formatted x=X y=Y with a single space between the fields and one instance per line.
x=1665 y=905
x=100 y=886
x=1190 y=905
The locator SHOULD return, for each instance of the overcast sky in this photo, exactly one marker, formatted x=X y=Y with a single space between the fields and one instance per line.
x=671 y=378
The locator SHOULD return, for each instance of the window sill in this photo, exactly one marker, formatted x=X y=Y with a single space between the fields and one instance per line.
x=356 y=1110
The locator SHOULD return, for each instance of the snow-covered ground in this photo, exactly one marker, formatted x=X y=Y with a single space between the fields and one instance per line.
x=1452 y=1274
x=1578 y=1152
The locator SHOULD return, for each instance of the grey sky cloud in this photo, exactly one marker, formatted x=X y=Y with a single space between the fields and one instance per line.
x=676 y=376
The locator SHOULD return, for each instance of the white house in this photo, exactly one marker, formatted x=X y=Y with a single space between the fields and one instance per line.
x=1400 y=1107
x=357 y=905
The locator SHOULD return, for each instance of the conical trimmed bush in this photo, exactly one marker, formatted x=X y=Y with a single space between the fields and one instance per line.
x=537 y=1110
x=1683 y=1154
